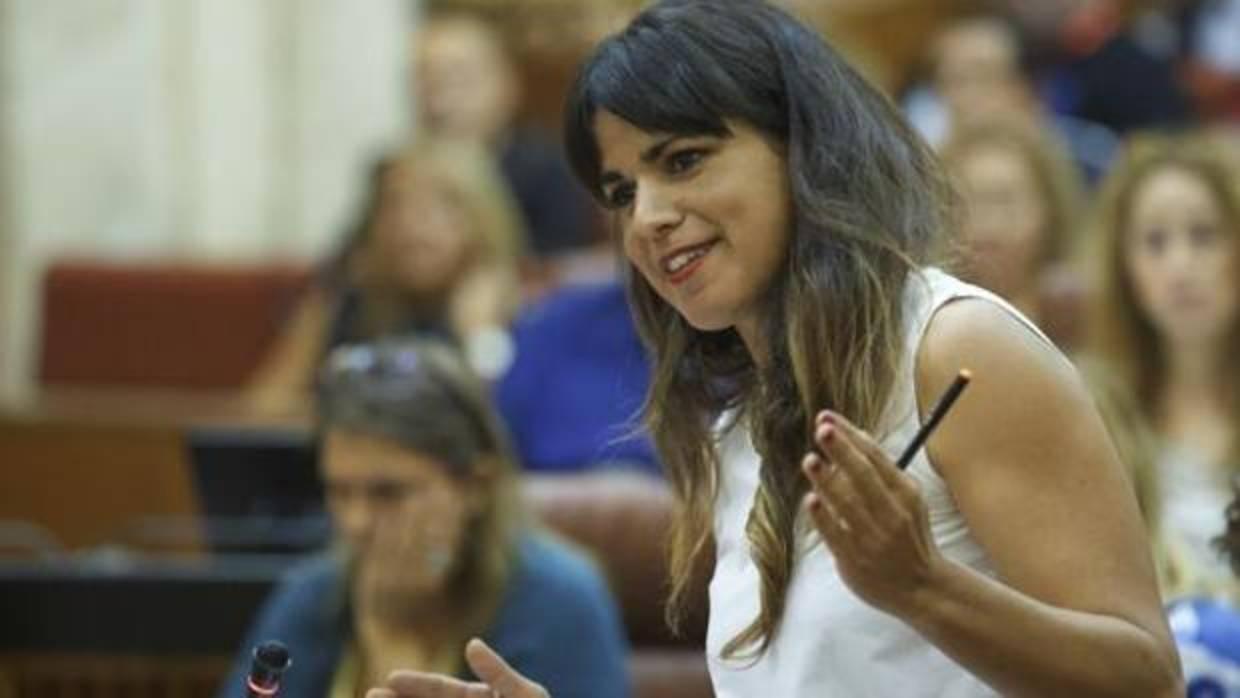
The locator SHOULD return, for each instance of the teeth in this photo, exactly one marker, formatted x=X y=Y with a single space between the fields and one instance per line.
x=683 y=259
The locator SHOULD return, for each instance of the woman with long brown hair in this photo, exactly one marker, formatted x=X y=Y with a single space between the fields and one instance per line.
x=776 y=215
x=1167 y=319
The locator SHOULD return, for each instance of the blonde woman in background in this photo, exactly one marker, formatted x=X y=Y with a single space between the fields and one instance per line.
x=1137 y=446
x=1167 y=320
x=1021 y=199
x=434 y=252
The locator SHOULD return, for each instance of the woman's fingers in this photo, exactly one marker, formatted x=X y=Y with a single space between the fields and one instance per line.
x=829 y=524
x=491 y=668
x=885 y=468
x=845 y=447
x=845 y=479
x=416 y=684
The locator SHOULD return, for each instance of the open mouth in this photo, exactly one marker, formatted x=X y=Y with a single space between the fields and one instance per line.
x=681 y=264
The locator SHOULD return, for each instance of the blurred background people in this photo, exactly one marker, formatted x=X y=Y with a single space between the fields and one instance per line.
x=434 y=548
x=1020 y=202
x=980 y=72
x=467 y=88
x=433 y=252
x=1166 y=319
x=577 y=382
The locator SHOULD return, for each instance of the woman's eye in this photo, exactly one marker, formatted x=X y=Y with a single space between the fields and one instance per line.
x=389 y=491
x=619 y=196
x=1203 y=235
x=1154 y=241
x=684 y=160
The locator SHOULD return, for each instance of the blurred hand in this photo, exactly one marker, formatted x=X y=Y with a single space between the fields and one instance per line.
x=498 y=680
x=408 y=558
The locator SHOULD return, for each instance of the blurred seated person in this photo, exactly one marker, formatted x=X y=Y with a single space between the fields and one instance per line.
x=1207 y=628
x=434 y=252
x=1167 y=319
x=1138 y=449
x=1020 y=199
x=1201 y=608
x=577 y=380
x=979 y=74
x=468 y=88
x=434 y=548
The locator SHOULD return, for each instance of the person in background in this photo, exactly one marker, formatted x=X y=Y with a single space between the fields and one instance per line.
x=434 y=252
x=434 y=547
x=979 y=74
x=467 y=88
x=573 y=392
x=1167 y=319
x=1200 y=609
x=1021 y=198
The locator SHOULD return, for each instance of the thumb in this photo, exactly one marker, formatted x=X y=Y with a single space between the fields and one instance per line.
x=495 y=672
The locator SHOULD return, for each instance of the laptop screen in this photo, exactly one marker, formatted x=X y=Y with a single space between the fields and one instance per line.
x=259 y=488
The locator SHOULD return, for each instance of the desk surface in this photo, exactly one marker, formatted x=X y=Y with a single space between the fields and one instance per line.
x=115 y=604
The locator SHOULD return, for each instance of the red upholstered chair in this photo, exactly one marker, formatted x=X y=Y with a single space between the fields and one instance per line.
x=161 y=325
x=622 y=519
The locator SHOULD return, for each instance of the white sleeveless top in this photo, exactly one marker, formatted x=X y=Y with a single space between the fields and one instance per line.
x=831 y=643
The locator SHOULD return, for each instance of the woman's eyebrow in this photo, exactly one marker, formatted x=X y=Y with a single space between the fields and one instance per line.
x=649 y=155
x=653 y=152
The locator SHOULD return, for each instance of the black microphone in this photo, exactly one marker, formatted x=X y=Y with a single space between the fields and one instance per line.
x=268 y=665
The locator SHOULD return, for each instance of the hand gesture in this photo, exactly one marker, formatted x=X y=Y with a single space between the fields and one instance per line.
x=870 y=515
x=498 y=680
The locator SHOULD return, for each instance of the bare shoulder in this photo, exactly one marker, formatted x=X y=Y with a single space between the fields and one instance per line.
x=1024 y=396
x=997 y=346
x=1030 y=464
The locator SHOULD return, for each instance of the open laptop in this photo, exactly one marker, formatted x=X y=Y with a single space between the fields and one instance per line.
x=259 y=488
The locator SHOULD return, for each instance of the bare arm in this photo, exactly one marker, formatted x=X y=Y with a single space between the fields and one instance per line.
x=1075 y=608
x=282 y=381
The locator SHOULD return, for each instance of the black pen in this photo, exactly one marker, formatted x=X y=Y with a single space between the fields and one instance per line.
x=936 y=415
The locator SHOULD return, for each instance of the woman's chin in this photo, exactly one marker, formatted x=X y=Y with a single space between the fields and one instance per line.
x=705 y=321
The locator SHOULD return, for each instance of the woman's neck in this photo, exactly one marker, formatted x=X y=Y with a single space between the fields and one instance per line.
x=384 y=645
x=758 y=345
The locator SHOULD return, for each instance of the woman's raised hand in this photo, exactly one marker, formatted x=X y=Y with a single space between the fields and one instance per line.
x=498 y=680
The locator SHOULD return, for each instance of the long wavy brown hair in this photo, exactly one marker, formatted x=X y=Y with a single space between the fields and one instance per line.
x=1122 y=332
x=868 y=201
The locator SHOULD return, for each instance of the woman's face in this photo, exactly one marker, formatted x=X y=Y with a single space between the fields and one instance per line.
x=467 y=87
x=421 y=236
x=400 y=513
x=704 y=219
x=1005 y=222
x=1180 y=253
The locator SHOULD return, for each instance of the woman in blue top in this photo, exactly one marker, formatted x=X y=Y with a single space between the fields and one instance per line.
x=434 y=549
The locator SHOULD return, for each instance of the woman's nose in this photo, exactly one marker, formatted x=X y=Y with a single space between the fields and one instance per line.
x=654 y=212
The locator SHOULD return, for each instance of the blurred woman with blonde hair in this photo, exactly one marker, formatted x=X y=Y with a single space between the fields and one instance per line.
x=434 y=252
x=1167 y=320
x=1021 y=197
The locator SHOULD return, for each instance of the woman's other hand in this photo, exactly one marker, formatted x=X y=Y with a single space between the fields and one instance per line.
x=498 y=680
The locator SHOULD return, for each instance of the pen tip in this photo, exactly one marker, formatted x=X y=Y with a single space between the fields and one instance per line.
x=965 y=374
